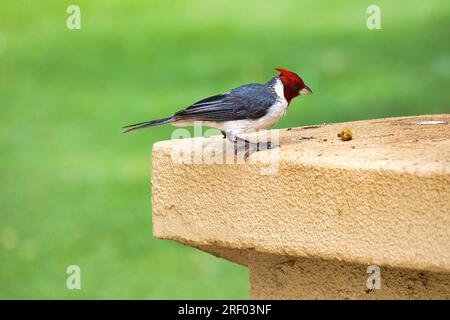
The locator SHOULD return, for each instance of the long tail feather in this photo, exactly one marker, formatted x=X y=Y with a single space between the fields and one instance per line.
x=146 y=124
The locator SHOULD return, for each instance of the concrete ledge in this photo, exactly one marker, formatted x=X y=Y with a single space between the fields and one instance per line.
x=382 y=198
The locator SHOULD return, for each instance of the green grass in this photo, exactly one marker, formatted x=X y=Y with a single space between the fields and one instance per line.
x=74 y=190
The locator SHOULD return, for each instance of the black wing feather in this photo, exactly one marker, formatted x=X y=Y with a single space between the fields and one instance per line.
x=246 y=102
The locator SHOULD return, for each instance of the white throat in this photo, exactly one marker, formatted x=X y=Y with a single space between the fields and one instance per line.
x=279 y=90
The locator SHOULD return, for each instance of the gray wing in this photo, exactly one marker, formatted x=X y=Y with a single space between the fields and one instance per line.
x=251 y=101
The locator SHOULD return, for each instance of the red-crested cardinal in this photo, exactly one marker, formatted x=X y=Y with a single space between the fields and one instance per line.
x=244 y=109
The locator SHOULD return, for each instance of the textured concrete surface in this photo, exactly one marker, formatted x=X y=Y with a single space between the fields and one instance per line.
x=381 y=198
x=277 y=277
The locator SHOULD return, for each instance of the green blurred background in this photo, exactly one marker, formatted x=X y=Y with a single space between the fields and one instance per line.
x=75 y=190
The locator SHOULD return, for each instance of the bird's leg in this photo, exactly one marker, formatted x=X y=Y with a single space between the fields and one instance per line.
x=259 y=146
x=248 y=145
x=237 y=141
x=265 y=146
x=244 y=142
x=232 y=139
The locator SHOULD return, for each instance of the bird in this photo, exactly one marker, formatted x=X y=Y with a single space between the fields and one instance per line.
x=245 y=109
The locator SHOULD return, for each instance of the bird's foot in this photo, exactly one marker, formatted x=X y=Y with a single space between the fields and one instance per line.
x=260 y=146
x=256 y=147
x=249 y=147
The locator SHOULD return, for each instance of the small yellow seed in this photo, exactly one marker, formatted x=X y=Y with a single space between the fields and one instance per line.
x=345 y=135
